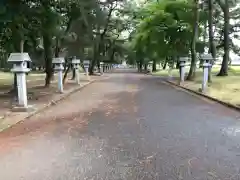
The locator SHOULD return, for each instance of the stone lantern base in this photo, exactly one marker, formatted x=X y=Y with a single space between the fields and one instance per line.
x=17 y=108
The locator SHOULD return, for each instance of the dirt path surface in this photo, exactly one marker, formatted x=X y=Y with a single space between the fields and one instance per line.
x=127 y=127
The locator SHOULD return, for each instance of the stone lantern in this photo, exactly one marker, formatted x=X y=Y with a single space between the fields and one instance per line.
x=207 y=59
x=75 y=64
x=19 y=61
x=182 y=64
x=150 y=65
x=86 y=65
x=58 y=67
x=101 y=67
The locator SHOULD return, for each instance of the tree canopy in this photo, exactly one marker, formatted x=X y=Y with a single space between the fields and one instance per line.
x=168 y=29
x=87 y=29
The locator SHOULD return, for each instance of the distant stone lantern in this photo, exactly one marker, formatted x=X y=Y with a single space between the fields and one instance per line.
x=207 y=59
x=86 y=65
x=75 y=64
x=58 y=67
x=106 y=67
x=182 y=64
x=101 y=67
x=150 y=64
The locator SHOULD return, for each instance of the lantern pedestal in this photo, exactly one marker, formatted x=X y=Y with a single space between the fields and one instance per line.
x=182 y=64
x=76 y=63
x=58 y=66
x=86 y=65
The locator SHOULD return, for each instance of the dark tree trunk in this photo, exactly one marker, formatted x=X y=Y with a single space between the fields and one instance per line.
x=177 y=65
x=65 y=67
x=164 y=66
x=94 y=60
x=92 y=65
x=66 y=73
x=212 y=48
x=112 y=55
x=57 y=48
x=192 y=71
x=154 y=68
x=47 y=43
x=140 y=65
x=224 y=67
x=145 y=67
x=73 y=73
x=164 y=63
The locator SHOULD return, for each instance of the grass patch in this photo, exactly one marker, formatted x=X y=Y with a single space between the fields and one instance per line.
x=223 y=88
x=6 y=78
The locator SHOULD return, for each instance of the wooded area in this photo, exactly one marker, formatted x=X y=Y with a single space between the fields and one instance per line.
x=167 y=30
x=114 y=30
x=48 y=28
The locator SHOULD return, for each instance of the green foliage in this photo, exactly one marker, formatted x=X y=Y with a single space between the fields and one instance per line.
x=165 y=29
x=70 y=26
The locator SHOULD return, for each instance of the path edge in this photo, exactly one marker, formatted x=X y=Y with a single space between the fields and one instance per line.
x=231 y=106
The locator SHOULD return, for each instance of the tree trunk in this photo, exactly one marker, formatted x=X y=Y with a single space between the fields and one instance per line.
x=212 y=48
x=145 y=67
x=140 y=65
x=73 y=74
x=112 y=55
x=154 y=67
x=92 y=65
x=57 y=48
x=174 y=60
x=177 y=65
x=165 y=64
x=66 y=73
x=47 y=43
x=94 y=60
x=192 y=71
x=224 y=67
x=65 y=67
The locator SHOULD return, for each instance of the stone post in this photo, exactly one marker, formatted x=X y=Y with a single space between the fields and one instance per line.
x=75 y=64
x=19 y=61
x=105 y=68
x=150 y=65
x=101 y=67
x=58 y=66
x=86 y=65
x=182 y=64
x=207 y=58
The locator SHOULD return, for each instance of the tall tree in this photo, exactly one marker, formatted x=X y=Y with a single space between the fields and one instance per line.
x=212 y=47
x=226 y=13
x=192 y=71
